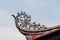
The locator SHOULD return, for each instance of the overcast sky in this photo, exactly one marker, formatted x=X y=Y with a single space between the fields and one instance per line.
x=45 y=12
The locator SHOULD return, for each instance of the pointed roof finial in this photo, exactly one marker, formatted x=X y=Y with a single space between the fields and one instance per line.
x=14 y=16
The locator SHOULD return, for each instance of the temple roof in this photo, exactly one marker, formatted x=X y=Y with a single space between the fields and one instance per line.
x=23 y=22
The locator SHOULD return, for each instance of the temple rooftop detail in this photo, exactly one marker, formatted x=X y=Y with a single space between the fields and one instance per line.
x=24 y=24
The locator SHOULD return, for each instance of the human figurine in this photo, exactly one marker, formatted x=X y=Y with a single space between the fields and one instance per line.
x=44 y=27
x=33 y=26
x=38 y=27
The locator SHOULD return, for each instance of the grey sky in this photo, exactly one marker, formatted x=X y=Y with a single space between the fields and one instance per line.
x=42 y=11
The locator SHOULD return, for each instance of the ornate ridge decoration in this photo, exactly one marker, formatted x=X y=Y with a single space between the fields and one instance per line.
x=24 y=25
